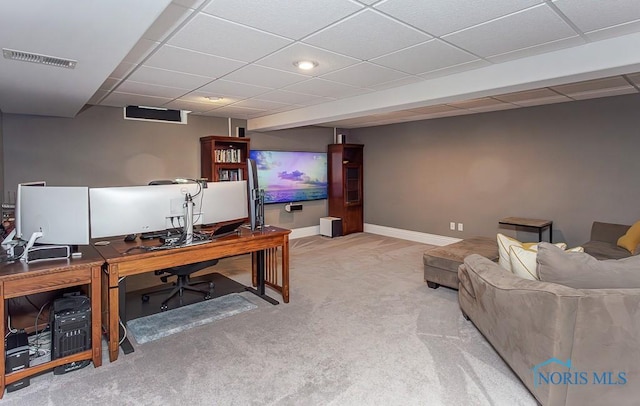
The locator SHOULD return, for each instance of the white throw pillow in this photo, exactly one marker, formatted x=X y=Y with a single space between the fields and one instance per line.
x=505 y=243
x=523 y=261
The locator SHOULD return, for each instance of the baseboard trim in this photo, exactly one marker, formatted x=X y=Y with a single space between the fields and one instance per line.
x=304 y=232
x=409 y=235
x=416 y=236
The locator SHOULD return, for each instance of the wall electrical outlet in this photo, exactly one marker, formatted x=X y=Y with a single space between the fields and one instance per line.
x=452 y=226
x=460 y=227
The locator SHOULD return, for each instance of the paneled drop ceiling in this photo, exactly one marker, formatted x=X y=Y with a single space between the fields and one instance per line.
x=378 y=62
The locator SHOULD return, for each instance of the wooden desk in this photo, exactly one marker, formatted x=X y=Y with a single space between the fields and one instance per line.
x=20 y=279
x=530 y=223
x=121 y=264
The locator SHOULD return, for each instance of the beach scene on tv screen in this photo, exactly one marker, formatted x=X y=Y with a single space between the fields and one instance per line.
x=291 y=176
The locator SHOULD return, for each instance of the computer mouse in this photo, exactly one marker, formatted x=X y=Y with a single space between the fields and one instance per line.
x=130 y=237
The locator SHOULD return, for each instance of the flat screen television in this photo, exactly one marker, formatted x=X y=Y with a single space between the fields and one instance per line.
x=291 y=176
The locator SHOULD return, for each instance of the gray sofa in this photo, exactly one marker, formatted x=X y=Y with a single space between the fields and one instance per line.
x=530 y=323
x=603 y=242
x=536 y=326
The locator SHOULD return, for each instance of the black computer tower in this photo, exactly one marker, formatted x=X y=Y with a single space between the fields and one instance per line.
x=70 y=330
x=17 y=358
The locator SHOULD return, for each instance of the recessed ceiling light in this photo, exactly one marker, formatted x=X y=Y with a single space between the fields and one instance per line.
x=213 y=98
x=306 y=65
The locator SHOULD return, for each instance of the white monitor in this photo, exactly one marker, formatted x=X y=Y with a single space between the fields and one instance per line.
x=116 y=211
x=60 y=213
x=224 y=201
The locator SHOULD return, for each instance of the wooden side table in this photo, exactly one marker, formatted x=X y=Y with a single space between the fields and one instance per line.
x=530 y=223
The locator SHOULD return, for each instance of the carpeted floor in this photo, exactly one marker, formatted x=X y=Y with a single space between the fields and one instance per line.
x=362 y=328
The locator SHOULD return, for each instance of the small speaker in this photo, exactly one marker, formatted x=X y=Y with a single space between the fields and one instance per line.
x=44 y=252
x=17 y=358
x=240 y=132
x=331 y=226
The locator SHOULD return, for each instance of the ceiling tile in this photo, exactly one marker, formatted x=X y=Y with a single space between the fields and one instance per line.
x=327 y=61
x=227 y=88
x=140 y=51
x=122 y=70
x=604 y=93
x=634 y=78
x=292 y=19
x=266 y=77
x=322 y=87
x=364 y=74
x=189 y=3
x=478 y=63
x=439 y=17
x=284 y=96
x=226 y=39
x=537 y=96
x=591 y=15
x=407 y=80
x=169 y=20
x=97 y=96
x=196 y=63
x=534 y=26
x=234 y=112
x=537 y=49
x=181 y=104
x=118 y=99
x=477 y=103
x=260 y=104
x=155 y=76
x=425 y=57
x=109 y=84
x=440 y=108
x=146 y=89
x=616 y=82
x=614 y=31
x=201 y=98
x=370 y=34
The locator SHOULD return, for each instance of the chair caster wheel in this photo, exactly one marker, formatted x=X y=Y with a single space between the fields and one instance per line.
x=207 y=297
x=212 y=285
x=164 y=308
x=145 y=298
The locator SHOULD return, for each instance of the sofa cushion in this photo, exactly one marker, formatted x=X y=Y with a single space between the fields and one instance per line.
x=631 y=239
x=604 y=250
x=505 y=243
x=582 y=271
x=523 y=261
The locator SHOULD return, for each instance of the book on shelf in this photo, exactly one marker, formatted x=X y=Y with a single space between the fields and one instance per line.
x=228 y=155
x=229 y=175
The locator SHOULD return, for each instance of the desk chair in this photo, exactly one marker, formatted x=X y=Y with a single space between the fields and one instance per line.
x=183 y=273
x=182 y=283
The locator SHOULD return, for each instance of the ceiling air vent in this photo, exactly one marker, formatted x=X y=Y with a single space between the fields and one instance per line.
x=155 y=114
x=37 y=58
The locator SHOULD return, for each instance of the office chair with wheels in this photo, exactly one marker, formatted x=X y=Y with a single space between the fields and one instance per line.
x=182 y=272
x=182 y=283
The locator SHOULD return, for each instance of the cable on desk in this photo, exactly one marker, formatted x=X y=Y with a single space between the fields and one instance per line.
x=11 y=329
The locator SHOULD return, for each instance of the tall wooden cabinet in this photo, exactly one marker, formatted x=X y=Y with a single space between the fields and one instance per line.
x=345 y=185
x=224 y=158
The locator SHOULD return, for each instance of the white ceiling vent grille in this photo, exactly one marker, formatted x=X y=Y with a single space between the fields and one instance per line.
x=37 y=58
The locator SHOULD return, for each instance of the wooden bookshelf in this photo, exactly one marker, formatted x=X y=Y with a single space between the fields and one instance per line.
x=224 y=158
x=345 y=185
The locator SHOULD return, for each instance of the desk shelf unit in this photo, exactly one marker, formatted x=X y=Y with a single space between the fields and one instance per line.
x=19 y=279
x=224 y=158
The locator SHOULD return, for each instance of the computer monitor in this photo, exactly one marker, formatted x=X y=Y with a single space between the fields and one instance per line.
x=122 y=210
x=60 y=213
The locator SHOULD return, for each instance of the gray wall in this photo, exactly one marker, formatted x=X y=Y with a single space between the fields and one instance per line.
x=572 y=163
x=99 y=148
